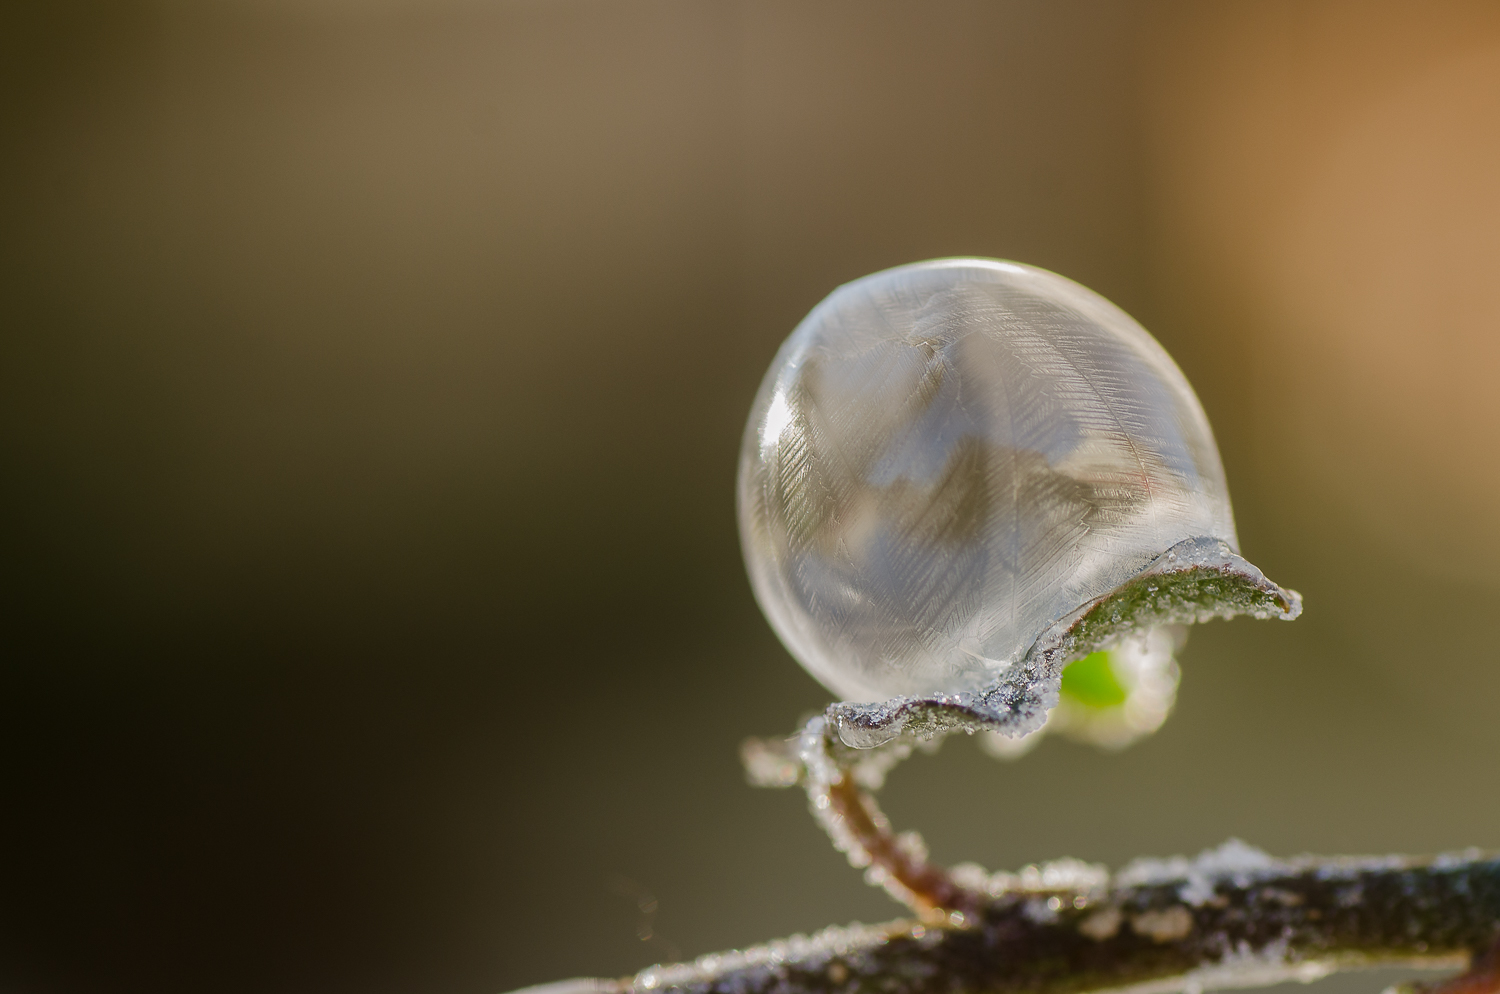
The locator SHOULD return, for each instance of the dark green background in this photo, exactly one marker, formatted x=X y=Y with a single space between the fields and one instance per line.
x=373 y=378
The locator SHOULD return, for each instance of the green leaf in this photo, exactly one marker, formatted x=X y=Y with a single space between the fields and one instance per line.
x=1091 y=682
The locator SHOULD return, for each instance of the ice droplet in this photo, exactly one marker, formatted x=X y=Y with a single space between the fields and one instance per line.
x=947 y=460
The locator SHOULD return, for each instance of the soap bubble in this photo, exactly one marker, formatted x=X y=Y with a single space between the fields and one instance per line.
x=948 y=457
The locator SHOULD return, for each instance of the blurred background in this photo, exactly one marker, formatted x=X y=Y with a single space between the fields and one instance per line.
x=373 y=377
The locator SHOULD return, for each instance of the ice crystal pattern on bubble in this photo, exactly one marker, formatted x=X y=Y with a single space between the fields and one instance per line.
x=948 y=457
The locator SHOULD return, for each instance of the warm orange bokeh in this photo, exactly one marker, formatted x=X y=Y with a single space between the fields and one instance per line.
x=1335 y=169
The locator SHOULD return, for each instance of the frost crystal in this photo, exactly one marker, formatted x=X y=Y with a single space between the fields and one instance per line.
x=949 y=466
x=1233 y=861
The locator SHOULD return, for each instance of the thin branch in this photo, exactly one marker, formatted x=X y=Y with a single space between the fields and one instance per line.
x=1156 y=927
x=1234 y=917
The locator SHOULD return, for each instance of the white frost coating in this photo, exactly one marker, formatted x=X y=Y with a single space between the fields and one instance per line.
x=582 y=985
x=946 y=458
x=1457 y=860
x=769 y=764
x=1244 y=967
x=1066 y=875
x=1349 y=867
x=834 y=941
x=1233 y=861
x=1240 y=968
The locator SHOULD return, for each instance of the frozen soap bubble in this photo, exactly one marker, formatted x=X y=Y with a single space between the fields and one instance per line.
x=948 y=459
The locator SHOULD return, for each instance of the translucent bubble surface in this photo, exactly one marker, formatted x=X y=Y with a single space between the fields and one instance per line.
x=947 y=458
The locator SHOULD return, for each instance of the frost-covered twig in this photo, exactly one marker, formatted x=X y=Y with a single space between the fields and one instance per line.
x=1232 y=918
x=839 y=782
